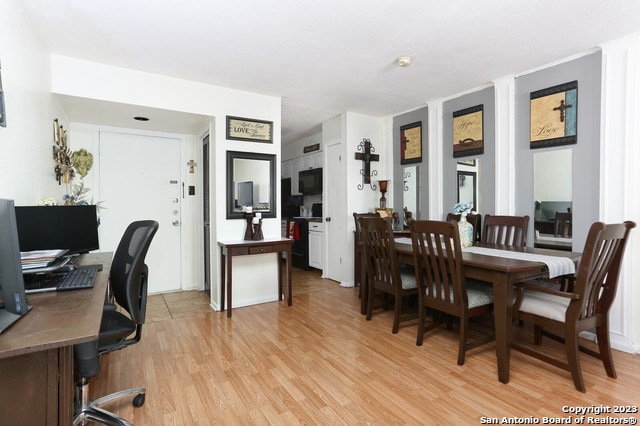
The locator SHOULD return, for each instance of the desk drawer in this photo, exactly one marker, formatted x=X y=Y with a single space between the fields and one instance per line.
x=260 y=249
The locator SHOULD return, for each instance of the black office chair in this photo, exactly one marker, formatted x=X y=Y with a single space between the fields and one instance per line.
x=128 y=281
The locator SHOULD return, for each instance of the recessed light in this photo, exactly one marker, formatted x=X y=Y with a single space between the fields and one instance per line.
x=141 y=118
x=404 y=61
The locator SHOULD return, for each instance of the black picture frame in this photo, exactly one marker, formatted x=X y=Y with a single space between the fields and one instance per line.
x=553 y=116
x=468 y=132
x=249 y=129
x=411 y=143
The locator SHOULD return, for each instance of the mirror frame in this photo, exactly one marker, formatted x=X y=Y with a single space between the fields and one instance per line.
x=271 y=159
x=462 y=174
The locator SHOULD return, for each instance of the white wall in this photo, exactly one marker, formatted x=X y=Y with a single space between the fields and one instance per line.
x=26 y=163
x=76 y=77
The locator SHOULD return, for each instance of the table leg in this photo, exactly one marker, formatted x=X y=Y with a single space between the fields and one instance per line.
x=229 y=281
x=289 y=278
x=223 y=283
x=280 y=289
x=503 y=306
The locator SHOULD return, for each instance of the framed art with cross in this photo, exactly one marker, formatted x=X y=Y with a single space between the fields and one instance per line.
x=554 y=116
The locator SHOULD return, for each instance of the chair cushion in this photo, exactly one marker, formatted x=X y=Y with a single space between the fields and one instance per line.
x=544 y=304
x=479 y=294
x=408 y=278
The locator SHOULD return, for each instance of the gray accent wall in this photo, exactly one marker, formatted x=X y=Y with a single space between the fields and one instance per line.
x=486 y=161
x=587 y=70
x=398 y=169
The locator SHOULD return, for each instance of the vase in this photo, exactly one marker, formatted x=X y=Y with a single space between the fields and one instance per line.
x=466 y=232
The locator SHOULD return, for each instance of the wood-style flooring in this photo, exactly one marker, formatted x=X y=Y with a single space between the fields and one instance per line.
x=320 y=362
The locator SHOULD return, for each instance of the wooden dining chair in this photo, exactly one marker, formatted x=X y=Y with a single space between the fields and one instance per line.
x=562 y=224
x=360 y=269
x=584 y=308
x=473 y=219
x=442 y=285
x=507 y=230
x=383 y=269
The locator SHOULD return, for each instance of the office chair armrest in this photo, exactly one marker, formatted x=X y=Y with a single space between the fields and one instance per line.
x=534 y=287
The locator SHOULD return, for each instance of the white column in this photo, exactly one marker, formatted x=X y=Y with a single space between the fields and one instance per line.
x=620 y=174
x=505 y=145
x=435 y=159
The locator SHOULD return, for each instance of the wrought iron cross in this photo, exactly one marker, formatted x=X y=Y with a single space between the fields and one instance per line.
x=367 y=157
x=562 y=108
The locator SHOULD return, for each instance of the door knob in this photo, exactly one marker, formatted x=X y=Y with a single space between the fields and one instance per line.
x=175 y=200
x=175 y=223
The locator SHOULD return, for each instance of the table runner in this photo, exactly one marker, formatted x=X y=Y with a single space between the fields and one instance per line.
x=558 y=265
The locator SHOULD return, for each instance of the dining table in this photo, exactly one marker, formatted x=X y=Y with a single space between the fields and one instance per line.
x=502 y=267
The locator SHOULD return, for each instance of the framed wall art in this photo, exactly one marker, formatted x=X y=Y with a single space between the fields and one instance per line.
x=554 y=116
x=247 y=129
x=411 y=143
x=468 y=132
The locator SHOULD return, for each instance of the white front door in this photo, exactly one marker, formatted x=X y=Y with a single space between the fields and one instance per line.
x=139 y=179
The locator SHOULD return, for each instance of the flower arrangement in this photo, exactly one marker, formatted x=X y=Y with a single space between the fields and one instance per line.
x=462 y=208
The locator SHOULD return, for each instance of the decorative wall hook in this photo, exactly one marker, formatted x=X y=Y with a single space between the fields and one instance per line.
x=367 y=156
x=406 y=177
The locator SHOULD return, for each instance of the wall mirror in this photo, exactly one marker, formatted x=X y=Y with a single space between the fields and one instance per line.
x=552 y=189
x=251 y=182
x=410 y=190
x=467 y=185
x=467 y=192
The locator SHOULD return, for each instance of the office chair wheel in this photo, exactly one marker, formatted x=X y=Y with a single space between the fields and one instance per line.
x=138 y=401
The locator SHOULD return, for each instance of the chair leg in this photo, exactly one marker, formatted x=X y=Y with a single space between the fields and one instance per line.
x=573 y=358
x=397 y=309
x=464 y=325
x=370 y=297
x=421 y=319
x=537 y=334
x=604 y=347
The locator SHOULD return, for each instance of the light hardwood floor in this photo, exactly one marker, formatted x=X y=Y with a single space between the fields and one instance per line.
x=320 y=362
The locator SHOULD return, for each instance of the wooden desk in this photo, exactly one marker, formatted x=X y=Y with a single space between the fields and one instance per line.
x=228 y=249
x=36 y=353
x=502 y=273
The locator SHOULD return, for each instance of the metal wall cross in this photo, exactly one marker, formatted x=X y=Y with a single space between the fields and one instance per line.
x=367 y=157
x=562 y=108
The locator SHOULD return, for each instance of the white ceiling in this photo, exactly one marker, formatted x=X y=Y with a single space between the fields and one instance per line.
x=324 y=57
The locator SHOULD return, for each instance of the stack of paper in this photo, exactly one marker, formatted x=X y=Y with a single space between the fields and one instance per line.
x=39 y=258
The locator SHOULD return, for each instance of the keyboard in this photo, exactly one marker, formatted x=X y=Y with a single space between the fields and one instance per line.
x=77 y=279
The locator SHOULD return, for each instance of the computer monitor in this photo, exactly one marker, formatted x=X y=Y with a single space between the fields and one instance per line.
x=11 y=280
x=74 y=228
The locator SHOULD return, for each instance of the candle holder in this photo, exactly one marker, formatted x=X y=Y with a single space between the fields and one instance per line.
x=383 y=190
x=257 y=230
x=248 y=233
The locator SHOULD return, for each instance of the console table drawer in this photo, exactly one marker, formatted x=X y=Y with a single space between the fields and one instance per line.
x=260 y=249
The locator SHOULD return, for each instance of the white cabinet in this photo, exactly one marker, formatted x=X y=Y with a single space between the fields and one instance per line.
x=287 y=169
x=316 y=244
x=311 y=161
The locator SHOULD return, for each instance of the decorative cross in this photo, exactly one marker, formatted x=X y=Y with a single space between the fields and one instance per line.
x=191 y=165
x=562 y=108
x=367 y=157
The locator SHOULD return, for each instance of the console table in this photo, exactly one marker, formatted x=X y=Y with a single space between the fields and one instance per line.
x=228 y=249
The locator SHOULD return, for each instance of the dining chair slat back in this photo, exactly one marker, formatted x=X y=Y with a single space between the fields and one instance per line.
x=506 y=230
x=383 y=269
x=442 y=285
x=586 y=307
